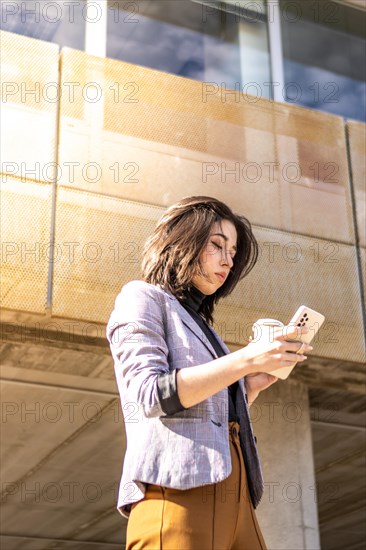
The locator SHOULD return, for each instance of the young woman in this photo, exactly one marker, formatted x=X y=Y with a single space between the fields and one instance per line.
x=191 y=475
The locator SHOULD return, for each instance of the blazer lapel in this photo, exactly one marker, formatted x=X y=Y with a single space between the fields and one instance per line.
x=221 y=342
x=191 y=324
x=243 y=388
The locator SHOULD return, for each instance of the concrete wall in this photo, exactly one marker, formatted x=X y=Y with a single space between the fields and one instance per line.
x=288 y=513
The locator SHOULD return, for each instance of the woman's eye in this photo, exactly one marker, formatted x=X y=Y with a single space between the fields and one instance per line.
x=219 y=247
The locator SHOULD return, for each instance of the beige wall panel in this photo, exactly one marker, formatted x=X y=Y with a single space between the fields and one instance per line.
x=99 y=244
x=357 y=145
x=295 y=270
x=286 y=160
x=25 y=235
x=160 y=176
x=29 y=120
x=98 y=249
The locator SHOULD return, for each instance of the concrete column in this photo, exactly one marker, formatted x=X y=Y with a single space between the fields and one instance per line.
x=288 y=512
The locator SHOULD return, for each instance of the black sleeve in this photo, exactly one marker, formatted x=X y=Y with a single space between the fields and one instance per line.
x=168 y=394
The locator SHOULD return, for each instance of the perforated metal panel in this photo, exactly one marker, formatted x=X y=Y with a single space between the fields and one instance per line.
x=25 y=247
x=30 y=92
x=29 y=71
x=161 y=148
x=98 y=249
x=295 y=270
x=167 y=136
x=99 y=242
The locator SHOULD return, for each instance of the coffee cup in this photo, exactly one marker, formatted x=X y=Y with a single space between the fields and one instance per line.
x=264 y=330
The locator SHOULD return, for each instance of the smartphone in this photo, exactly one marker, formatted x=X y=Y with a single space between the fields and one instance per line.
x=304 y=317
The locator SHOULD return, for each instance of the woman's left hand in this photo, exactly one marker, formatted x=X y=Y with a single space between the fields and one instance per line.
x=255 y=383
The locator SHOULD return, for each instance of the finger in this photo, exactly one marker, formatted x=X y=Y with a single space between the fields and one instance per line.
x=304 y=348
x=288 y=333
x=289 y=358
x=296 y=347
x=292 y=332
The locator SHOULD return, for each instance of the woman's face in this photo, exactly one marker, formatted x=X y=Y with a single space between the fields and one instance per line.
x=217 y=258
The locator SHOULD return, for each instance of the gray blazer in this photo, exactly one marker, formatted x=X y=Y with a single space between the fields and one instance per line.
x=150 y=333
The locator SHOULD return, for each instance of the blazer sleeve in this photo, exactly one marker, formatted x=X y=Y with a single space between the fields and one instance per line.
x=137 y=339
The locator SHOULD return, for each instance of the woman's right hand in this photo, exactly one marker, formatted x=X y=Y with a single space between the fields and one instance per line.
x=197 y=383
x=266 y=357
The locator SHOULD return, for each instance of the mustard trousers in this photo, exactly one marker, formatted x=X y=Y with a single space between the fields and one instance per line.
x=212 y=517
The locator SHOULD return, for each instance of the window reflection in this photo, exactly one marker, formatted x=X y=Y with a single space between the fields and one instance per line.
x=324 y=57
x=58 y=21
x=194 y=40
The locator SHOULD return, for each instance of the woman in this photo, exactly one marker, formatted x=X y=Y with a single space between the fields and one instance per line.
x=191 y=475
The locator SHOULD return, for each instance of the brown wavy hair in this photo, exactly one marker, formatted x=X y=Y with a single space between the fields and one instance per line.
x=171 y=254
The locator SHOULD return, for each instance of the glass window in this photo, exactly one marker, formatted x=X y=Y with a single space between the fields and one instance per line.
x=59 y=21
x=194 y=39
x=324 y=50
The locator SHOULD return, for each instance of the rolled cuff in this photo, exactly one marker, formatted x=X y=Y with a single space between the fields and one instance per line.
x=168 y=394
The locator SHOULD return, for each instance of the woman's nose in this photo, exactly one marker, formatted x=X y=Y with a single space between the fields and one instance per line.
x=226 y=259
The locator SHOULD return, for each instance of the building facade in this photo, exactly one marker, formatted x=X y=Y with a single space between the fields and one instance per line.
x=111 y=111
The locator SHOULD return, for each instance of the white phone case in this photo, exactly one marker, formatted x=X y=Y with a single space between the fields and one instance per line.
x=304 y=316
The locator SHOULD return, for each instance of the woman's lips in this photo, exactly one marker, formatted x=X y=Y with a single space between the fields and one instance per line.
x=221 y=276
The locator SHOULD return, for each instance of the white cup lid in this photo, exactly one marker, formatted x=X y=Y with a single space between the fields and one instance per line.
x=269 y=322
